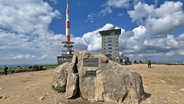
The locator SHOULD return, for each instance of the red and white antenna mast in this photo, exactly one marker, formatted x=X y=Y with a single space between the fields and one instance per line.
x=67 y=23
x=67 y=51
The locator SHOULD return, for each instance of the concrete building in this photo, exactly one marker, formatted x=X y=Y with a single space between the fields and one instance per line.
x=110 y=43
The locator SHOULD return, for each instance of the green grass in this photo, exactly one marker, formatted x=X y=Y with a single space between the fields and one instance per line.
x=13 y=68
x=51 y=66
x=59 y=89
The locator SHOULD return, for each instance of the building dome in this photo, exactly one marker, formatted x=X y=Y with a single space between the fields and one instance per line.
x=108 y=27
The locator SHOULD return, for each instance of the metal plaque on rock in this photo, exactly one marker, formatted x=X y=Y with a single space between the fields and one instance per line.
x=91 y=62
x=91 y=73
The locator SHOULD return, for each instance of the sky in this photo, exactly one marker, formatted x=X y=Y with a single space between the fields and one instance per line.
x=31 y=31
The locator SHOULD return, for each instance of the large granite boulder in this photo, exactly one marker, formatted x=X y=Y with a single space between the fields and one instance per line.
x=72 y=88
x=97 y=78
x=60 y=75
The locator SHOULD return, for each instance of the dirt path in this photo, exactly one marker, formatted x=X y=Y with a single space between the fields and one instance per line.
x=165 y=83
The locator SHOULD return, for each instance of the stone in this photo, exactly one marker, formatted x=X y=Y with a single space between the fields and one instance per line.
x=112 y=77
x=103 y=58
x=103 y=80
x=112 y=82
x=72 y=79
x=73 y=64
x=60 y=75
x=135 y=88
x=4 y=97
x=42 y=97
x=72 y=85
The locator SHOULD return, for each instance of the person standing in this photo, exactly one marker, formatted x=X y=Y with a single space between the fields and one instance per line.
x=5 y=70
x=149 y=64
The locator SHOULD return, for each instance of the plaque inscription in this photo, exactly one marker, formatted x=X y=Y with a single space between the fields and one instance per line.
x=91 y=62
x=91 y=73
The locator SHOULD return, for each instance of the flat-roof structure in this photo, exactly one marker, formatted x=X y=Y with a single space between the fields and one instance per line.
x=110 y=43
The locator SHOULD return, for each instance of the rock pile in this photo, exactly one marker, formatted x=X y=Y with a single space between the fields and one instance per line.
x=96 y=78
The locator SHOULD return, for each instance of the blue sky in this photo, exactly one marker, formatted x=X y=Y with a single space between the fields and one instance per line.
x=31 y=31
x=85 y=16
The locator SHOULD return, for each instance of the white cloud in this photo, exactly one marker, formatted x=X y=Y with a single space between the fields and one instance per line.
x=25 y=16
x=180 y=37
x=117 y=3
x=164 y=44
x=139 y=32
x=92 y=40
x=22 y=56
x=154 y=37
x=132 y=41
x=138 y=41
x=24 y=31
x=91 y=17
x=180 y=40
x=105 y=11
x=159 y=21
x=140 y=11
x=111 y=4
x=79 y=43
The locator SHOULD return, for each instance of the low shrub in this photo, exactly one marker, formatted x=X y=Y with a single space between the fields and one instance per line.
x=59 y=89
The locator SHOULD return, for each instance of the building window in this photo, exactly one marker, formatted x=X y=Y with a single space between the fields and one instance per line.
x=110 y=48
x=109 y=38
x=110 y=41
